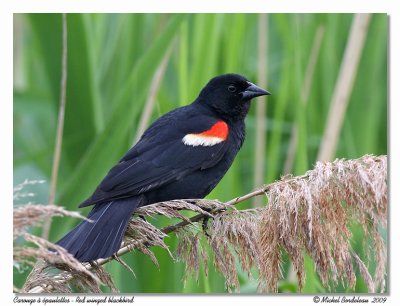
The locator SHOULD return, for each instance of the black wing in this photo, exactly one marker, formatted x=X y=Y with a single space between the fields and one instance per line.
x=160 y=157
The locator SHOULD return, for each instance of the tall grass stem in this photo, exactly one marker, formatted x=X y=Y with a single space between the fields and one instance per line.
x=261 y=106
x=151 y=99
x=344 y=86
x=60 y=123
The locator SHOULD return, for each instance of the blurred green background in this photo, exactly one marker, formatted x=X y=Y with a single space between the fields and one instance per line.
x=112 y=60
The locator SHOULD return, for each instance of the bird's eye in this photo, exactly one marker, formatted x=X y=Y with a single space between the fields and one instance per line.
x=232 y=88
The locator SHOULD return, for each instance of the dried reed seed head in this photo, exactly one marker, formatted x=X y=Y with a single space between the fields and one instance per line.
x=233 y=237
x=239 y=229
x=142 y=235
x=28 y=215
x=312 y=213
x=105 y=277
x=171 y=209
x=191 y=251
x=18 y=193
x=53 y=256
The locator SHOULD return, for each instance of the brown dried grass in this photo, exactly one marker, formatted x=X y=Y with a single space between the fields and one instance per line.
x=144 y=235
x=312 y=214
x=191 y=251
x=34 y=215
x=52 y=264
x=170 y=209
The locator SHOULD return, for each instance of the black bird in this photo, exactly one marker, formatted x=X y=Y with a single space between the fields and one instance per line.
x=182 y=155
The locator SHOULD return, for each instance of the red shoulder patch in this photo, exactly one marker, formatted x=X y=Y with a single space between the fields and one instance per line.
x=214 y=135
x=219 y=130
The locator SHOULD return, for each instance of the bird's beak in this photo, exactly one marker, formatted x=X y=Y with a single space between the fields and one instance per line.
x=254 y=91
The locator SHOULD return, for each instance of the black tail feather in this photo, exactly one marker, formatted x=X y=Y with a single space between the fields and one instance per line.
x=102 y=237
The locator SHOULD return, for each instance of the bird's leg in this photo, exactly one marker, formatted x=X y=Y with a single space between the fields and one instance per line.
x=92 y=263
x=205 y=226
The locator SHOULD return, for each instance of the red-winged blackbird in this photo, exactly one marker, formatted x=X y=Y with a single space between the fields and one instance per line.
x=183 y=155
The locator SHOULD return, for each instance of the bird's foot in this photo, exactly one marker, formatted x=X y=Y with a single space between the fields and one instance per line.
x=143 y=218
x=205 y=226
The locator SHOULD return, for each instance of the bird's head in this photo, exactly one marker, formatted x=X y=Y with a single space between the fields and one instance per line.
x=230 y=95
